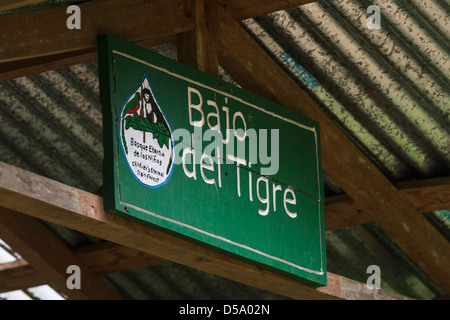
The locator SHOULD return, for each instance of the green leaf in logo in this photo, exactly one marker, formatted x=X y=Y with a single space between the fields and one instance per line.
x=158 y=131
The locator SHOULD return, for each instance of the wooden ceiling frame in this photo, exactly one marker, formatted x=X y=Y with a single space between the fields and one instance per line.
x=425 y=195
x=108 y=257
x=25 y=192
x=191 y=22
x=15 y=4
x=50 y=257
x=100 y=258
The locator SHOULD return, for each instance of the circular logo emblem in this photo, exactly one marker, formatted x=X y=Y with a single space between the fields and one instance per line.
x=146 y=137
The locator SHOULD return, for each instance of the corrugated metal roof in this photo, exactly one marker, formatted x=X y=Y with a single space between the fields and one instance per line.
x=388 y=89
x=52 y=122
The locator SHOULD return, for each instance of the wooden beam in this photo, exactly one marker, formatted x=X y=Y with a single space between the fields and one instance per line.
x=101 y=258
x=198 y=48
x=55 y=202
x=31 y=54
x=107 y=257
x=341 y=212
x=425 y=195
x=14 y=4
x=19 y=275
x=20 y=68
x=49 y=256
x=248 y=64
x=244 y=9
x=353 y=290
x=44 y=32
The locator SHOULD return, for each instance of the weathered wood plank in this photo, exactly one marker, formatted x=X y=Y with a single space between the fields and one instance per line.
x=14 y=4
x=255 y=70
x=352 y=290
x=342 y=212
x=20 y=68
x=49 y=256
x=52 y=45
x=198 y=48
x=107 y=257
x=19 y=275
x=425 y=195
x=101 y=258
x=47 y=33
x=52 y=201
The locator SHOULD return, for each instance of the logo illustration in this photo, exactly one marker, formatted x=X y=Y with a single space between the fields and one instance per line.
x=146 y=137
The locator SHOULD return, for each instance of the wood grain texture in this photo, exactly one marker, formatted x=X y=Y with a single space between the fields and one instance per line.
x=47 y=33
x=425 y=195
x=353 y=290
x=101 y=258
x=50 y=257
x=14 y=4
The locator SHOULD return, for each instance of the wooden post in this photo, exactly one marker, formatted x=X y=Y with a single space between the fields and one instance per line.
x=14 y=4
x=198 y=48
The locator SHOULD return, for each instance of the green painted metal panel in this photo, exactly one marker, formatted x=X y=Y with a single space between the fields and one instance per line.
x=207 y=161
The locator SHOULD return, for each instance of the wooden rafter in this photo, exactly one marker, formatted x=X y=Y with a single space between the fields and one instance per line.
x=49 y=256
x=397 y=211
x=37 y=196
x=256 y=71
x=124 y=19
x=21 y=68
x=58 y=47
x=14 y=4
x=340 y=212
x=101 y=258
x=426 y=196
x=109 y=257
x=19 y=275
x=198 y=48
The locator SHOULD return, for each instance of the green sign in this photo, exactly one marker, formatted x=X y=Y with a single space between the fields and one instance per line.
x=207 y=161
